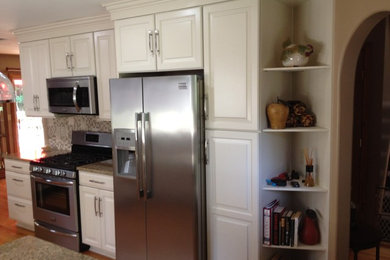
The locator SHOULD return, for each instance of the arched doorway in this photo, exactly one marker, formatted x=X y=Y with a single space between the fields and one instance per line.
x=345 y=129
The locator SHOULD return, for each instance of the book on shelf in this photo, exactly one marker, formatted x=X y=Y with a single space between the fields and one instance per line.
x=287 y=232
x=295 y=220
x=267 y=221
x=276 y=216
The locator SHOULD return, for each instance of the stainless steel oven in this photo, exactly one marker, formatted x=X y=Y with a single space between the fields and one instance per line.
x=55 y=201
x=54 y=185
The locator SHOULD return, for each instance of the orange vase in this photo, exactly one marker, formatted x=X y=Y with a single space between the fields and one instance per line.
x=277 y=115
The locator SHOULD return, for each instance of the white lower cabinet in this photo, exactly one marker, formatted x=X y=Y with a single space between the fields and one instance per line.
x=97 y=215
x=232 y=195
x=19 y=193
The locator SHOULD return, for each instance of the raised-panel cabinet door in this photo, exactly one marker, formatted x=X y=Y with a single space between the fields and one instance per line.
x=105 y=69
x=135 y=45
x=231 y=64
x=232 y=192
x=230 y=239
x=90 y=220
x=108 y=221
x=60 y=57
x=35 y=68
x=178 y=39
x=82 y=54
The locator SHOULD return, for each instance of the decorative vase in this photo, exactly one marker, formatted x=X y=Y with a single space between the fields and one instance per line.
x=277 y=115
x=309 y=232
x=295 y=55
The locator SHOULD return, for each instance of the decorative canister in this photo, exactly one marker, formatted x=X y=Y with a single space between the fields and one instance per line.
x=309 y=232
x=277 y=115
x=295 y=55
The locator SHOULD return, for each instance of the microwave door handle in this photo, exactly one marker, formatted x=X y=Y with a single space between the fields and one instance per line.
x=138 y=153
x=76 y=105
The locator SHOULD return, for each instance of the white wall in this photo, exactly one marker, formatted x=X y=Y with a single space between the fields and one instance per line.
x=353 y=21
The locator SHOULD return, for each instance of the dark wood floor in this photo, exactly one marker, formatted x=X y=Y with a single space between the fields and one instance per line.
x=8 y=229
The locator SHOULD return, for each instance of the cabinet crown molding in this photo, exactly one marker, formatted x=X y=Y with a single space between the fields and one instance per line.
x=122 y=9
x=64 y=28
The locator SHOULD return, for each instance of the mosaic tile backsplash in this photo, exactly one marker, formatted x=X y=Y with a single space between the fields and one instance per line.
x=58 y=130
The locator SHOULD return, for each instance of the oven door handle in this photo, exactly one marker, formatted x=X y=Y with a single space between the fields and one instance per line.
x=59 y=183
x=55 y=231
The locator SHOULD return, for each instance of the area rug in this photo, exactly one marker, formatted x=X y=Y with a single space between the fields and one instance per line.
x=32 y=248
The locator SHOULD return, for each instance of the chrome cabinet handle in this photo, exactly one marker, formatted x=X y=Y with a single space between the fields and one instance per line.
x=76 y=105
x=38 y=104
x=67 y=59
x=17 y=180
x=150 y=34
x=206 y=153
x=19 y=205
x=98 y=182
x=16 y=167
x=35 y=102
x=71 y=61
x=138 y=142
x=94 y=205
x=100 y=212
x=156 y=41
x=206 y=107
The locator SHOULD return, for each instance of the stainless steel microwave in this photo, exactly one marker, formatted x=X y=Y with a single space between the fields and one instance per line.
x=73 y=95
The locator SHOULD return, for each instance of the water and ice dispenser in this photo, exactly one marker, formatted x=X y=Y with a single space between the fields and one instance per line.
x=125 y=152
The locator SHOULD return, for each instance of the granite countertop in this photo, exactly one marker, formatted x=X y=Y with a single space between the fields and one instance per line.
x=17 y=156
x=103 y=167
x=32 y=248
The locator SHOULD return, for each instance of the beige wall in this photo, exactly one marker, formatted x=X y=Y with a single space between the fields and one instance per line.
x=353 y=21
x=10 y=61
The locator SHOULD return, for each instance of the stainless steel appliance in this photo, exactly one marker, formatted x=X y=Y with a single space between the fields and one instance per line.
x=159 y=170
x=73 y=95
x=54 y=183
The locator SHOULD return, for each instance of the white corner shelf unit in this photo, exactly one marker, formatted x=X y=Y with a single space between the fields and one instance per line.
x=304 y=22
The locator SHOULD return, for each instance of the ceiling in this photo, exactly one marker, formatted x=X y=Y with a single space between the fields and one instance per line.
x=16 y=14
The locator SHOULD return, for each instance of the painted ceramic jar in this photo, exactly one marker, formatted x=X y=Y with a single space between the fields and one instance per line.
x=295 y=55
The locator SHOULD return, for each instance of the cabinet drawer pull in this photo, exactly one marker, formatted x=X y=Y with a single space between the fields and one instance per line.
x=98 y=182
x=16 y=167
x=100 y=211
x=18 y=180
x=19 y=205
x=150 y=33
x=94 y=206
x=157 y=41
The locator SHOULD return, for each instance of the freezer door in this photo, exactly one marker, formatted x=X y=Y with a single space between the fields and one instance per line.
x=172 y=164
x=126 y=100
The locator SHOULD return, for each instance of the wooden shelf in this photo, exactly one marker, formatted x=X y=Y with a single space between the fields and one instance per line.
x=302 y=188
x=300 y=247
x=297 y=130
x=292 y=69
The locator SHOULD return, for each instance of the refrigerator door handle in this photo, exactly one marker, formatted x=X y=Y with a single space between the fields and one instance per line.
x=138 y=152
x=146 y=156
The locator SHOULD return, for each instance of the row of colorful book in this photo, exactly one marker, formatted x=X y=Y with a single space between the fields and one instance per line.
x=280 y=225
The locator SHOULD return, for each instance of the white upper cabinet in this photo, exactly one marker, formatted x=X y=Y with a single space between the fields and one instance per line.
x=72 y=56
x=231 y=34
x=134 y=44
x=105 y=69
x=35 y=68
x=165 y=41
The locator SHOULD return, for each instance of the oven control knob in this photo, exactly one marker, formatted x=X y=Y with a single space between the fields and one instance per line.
x=47 y=171
x=38 y=169
x=63 y=173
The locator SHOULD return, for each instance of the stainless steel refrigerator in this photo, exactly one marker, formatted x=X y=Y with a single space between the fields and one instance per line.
x=159 y=190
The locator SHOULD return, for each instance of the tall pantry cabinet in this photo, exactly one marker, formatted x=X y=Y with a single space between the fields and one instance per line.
x=231 y=88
